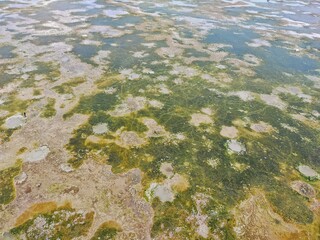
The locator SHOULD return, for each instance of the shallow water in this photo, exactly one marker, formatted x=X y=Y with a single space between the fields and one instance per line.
x=159 y=120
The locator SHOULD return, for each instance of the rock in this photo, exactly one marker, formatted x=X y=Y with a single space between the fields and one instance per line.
x=308 y=172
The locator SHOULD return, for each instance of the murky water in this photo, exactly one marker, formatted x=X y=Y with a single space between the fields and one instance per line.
x=159 y=120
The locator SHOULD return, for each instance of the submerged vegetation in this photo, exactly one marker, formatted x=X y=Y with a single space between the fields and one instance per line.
x=49 y=110
x=7 y=188
x=107 y=231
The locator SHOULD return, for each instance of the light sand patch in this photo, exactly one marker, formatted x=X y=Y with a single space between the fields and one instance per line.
x=149 y=45
x=21 y=178
x=65 y=167
x=163 y=192
x=224 y=78
x=255 y=219
x=258 y=42
x=296 y=91
x=213 y=162
x=183 y=70
x=261 y=127
x=15 y=121
x=129 y=139
x=156 y=104
x=110 y=90
x=207 y=111
x=303 y=189
x=93 y=139
x=147 y=70
x=315 y=80
x=167 y=169
x=179 y=183
x=140 y=54
x=178 y=81
x=200 y=219
x=229 y=132
x=315 y=113
x=169 y=52
x=243 y=95
x=273 y=100
x=129 y=105
x=159 y=88
x=162 y=78
x=154 y=129
x=102 y=57
x=91 y=42
x=115 y=13
x=288 y=127
x=36 y=155
x=235 y=147
x=4 y=113
x=209 y=78
x=174 y=139
x=308 y=172
x=240 y=167
x=252 y=60
x=311 y=122
x=100 y=128
x=166 y=191
x=198 y=119
x=129 y=74
x=173 y=184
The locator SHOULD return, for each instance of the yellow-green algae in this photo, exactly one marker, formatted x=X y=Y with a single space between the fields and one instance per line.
x=61 y=223
x=49 y=108
x=7 y=188
x=67 y=87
